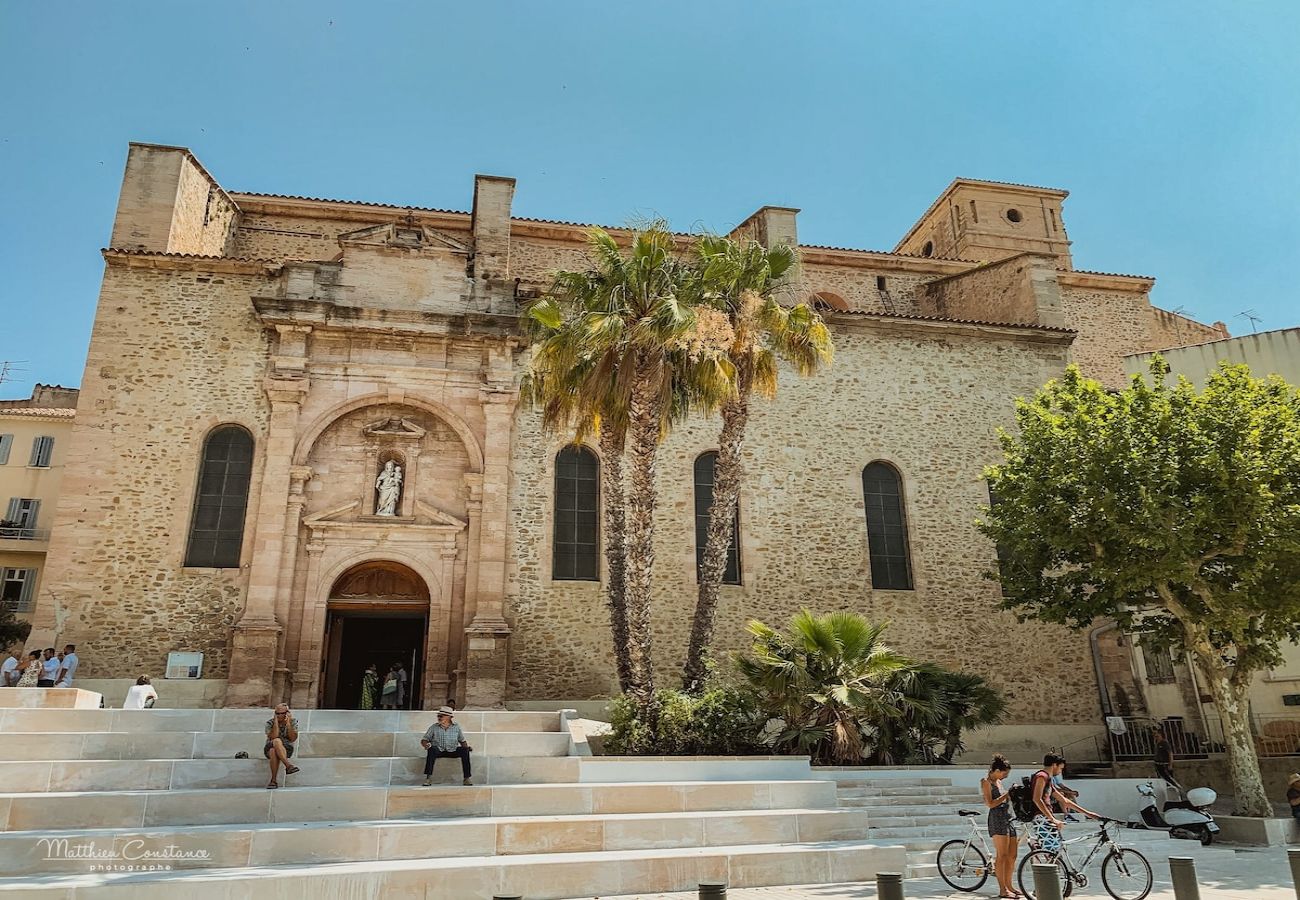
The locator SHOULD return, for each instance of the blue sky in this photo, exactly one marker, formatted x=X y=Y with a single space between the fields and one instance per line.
x=1175 y=125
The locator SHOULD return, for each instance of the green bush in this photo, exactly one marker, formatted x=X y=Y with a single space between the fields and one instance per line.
x=723 y=721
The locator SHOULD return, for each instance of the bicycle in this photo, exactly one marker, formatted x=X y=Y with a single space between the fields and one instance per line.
x=1125 y=873
x=963 y=865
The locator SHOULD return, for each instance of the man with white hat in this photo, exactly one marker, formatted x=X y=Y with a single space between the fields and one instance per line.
x=444 y=738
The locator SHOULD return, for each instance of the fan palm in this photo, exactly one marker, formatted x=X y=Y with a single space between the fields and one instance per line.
x=826 y=678
x=972 y=703
x=626 y=348
x=743 y=279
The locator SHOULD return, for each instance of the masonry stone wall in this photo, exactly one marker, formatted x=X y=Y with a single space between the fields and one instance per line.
x=998 y=292
x=204 y=218
x=1169 y=329
x=1110 y=324
x=172 y=355
x=858 y=288
x=927 y=403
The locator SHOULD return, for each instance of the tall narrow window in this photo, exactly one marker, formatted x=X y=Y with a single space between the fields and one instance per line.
x=18 y=588
x=1159 y=665
x=576 y=544
x=217 y=528
x=891 y=563
x=42 y=450
x=705 y=463
x=974 y=213
x=6 y=441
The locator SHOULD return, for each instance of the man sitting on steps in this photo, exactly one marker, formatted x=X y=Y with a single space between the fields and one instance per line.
x=444 y=738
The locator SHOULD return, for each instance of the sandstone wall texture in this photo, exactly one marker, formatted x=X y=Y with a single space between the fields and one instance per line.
x=1169 y=329
x=803 y=529
x=172 y=355
x=1111 y=324
x=998 y=292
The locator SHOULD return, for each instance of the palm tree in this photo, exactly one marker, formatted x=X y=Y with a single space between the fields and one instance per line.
x=972 y=703
x=629 y=345
x=744 y=279
x=826 y=678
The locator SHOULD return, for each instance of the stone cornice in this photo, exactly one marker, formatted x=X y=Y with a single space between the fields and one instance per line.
x=349 y=211
x=880 y=259
x=323 y=315
x=189 y=262
x=1105 y=281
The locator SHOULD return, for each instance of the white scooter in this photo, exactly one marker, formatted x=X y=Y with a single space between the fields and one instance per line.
x=1187 y=818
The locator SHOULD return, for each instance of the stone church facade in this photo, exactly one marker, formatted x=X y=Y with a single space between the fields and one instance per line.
x=258 y=363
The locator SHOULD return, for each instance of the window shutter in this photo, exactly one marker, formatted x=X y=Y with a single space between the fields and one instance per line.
x=12 y=514
x=29 y=588
x=6 y=441
x=42 y=450
x=35 y=507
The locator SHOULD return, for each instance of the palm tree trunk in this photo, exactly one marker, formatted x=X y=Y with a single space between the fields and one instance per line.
x=611 y=470
x=727 y=476
x=643 y=446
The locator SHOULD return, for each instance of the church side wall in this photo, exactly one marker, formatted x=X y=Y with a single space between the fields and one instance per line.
x=172 y=355
x=1111 y=324
x=926 y=403
x=1169 y=329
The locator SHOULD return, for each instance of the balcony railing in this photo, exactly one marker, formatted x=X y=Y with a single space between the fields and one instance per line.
x=24 y=534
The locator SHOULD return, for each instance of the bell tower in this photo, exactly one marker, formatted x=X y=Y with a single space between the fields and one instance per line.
x=988 y=220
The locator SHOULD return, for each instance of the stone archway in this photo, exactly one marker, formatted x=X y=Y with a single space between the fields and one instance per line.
x=377 y=613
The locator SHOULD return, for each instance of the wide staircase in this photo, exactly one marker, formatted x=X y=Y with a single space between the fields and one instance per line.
x=922 y=813
x=153 y=803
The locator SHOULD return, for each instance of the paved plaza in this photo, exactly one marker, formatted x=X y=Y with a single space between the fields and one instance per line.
x=1258 y=874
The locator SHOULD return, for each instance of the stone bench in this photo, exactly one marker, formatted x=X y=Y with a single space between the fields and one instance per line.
x=40 y=812
x=221 y=846
x=225 y=744
x=153 y=720
x=48 y=698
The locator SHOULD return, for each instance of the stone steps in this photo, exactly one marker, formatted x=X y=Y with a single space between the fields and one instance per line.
x=232 y=846
x=548 y=876
x=38 y=812
x=106 y=776
x=83 y=721
x=20 y=746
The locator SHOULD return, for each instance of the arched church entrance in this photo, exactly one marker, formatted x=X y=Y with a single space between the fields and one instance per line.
x=377 y=614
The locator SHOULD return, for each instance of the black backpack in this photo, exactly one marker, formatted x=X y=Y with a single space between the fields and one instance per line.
x=1022 y=800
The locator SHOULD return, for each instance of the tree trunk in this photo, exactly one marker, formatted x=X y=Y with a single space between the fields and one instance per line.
x=727 y=477
x=1230 y=690
x=643 y=445
x=611 y=470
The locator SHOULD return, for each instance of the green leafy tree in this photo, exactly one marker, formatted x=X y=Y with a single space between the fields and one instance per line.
x=826 y=678
x=12 y=629
x=1172 y=510
x=744 y=280
x=630 y=345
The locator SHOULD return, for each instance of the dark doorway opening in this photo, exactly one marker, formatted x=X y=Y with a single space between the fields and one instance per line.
x=356 y=638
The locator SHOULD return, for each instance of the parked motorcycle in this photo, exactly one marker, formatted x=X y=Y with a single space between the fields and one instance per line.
x=1183 y=817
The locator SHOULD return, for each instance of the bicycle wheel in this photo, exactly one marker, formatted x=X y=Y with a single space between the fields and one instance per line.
x=1026 y=873
x=963 y=865
x=1126 y=874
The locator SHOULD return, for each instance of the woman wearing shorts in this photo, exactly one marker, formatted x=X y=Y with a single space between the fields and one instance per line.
x=1002 y=825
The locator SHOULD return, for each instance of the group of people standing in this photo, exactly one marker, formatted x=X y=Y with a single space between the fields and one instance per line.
x=387 y=692
x=47 y=668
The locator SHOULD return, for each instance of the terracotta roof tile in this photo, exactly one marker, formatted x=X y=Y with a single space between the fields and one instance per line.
x=1113 y=274
x=38 y=412
x=919 y=318
x=887 y=253
x=460 y=212
x=125 y=251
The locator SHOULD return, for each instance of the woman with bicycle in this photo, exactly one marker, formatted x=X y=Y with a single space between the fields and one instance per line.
x=1002 y=825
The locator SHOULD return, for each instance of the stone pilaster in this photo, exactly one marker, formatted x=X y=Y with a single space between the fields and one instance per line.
x=308 y=669
x=255 y=639
x=284 y=611
x=487 y=637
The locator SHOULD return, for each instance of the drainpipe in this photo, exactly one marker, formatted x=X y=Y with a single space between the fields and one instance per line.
x=1096 y=663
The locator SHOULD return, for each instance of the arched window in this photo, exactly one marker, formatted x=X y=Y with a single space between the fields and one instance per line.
x=576 y=544
x=891 y=561
x=217 y=527
x=704 y=465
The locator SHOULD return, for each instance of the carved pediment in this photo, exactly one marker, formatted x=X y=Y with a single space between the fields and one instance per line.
x=394 y=427
x=403 y=235
x=349 y=516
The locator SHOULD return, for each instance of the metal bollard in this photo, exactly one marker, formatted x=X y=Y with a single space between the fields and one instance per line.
x=1182 y=869
x=1293 y=857
x=889 y=886
x=1047 y=881
x=713 y=890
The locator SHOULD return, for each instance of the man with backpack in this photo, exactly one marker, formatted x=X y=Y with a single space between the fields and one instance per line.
x=1032 y=801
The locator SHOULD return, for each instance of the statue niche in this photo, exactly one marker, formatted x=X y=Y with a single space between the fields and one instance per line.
x=388 y=486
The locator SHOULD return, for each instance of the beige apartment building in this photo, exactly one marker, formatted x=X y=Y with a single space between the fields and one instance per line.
x=262 y=366
x=34 y=435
